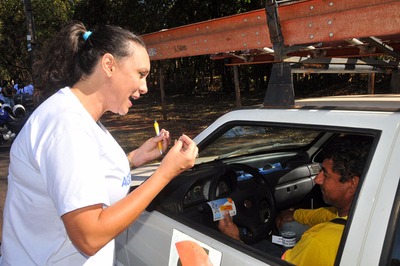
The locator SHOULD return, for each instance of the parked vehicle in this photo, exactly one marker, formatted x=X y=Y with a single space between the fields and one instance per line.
x=268 y=158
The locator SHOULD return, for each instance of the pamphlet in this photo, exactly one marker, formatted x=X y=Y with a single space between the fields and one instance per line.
x=220 y=206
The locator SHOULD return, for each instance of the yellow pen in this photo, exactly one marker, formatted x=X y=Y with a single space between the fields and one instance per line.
x=157 y=129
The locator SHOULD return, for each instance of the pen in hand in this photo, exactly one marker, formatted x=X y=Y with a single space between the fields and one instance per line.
x=157 y=129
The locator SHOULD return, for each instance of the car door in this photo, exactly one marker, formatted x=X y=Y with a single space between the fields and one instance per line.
x=152 y=240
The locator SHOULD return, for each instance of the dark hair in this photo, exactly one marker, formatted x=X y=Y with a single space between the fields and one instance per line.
x=68 y=57
x=348 y=154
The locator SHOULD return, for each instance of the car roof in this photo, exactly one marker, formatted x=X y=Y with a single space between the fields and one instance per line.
x=369 y=102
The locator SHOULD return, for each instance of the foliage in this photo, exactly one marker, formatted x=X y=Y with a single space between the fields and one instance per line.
x=49 y=15
x=14 y=58
x=189 y=75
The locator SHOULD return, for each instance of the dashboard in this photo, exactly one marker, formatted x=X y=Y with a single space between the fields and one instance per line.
x=200 y=192
x=189 y=193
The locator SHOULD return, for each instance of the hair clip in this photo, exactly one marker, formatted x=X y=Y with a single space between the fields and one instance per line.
x=86 y=35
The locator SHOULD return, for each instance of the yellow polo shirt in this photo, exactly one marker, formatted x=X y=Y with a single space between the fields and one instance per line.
x=318 y=245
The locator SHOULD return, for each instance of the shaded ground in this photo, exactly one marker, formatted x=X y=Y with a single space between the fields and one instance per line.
x=185 y=114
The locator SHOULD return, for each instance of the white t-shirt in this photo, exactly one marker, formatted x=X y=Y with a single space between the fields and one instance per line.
x=61 y=160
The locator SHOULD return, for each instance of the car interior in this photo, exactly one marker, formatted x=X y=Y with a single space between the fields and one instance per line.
x=261 y=182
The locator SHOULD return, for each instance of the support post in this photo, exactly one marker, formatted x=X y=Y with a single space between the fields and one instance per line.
x=395 y=81
x=237 y=86
x=162 y=90
x=31 y=36
x=280 y=90
x=371 y=83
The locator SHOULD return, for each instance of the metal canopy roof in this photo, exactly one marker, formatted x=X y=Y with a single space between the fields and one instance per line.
x=313 y=30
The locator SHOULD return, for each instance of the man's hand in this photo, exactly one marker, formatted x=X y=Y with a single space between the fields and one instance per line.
x=284 y=217
x=228 y=227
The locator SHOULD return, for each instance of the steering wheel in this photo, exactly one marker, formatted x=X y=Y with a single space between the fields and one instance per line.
x=254 y=201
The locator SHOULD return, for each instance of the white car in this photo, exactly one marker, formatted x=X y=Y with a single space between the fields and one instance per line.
x=265 y=160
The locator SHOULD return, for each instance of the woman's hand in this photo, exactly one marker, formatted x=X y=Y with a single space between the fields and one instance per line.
x=149 y=150
x=179 y=158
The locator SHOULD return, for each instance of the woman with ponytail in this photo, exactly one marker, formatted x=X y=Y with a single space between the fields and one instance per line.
x=68 y=180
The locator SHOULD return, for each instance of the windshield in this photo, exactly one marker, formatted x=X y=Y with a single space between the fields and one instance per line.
x=240 y=140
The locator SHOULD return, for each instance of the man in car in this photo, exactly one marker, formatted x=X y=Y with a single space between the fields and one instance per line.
x=338 y=179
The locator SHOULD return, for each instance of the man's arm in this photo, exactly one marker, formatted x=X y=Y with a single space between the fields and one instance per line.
x=284 y=217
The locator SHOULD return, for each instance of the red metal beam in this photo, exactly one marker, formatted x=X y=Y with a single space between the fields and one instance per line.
x=335 y=52
x=302 y=23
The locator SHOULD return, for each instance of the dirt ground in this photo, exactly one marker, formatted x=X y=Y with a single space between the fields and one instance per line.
x=184 y=114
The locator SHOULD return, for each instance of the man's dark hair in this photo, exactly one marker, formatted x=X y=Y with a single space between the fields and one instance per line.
x=348 y=154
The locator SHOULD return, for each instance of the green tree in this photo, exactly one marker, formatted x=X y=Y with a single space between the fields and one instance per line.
x=49 y=15
x=14 y=57
x=184 y=75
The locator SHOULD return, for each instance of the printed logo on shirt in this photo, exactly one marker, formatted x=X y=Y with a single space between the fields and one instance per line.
x=126 y=181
